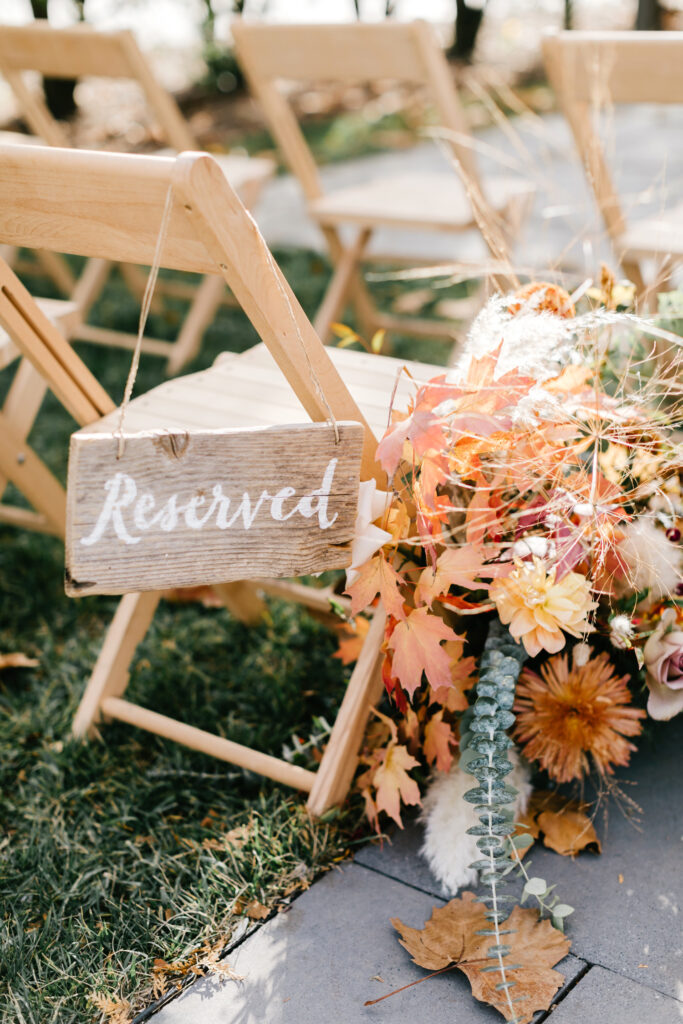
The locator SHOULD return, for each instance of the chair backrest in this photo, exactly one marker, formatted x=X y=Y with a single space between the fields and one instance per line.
x=271 y=55
x=590 y=71
x=78 y=53
x=112 y=206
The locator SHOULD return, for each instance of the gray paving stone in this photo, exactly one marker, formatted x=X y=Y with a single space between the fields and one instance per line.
x=610 y=999
x=319 y=962
x=620 y=925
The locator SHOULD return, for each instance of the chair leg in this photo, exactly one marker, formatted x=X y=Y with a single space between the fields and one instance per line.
x=335 y=774
x=207 y=299
x=55 y=267
x=340 y=285
x=20 y=464
x=112 y=668
x=363 y=306
x=90 y=284
x=135 y=279
x=242 y=601
x=23 y=402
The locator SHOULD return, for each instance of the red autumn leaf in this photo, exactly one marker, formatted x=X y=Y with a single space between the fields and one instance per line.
x=438 y=742
x=392 y=782
x=377 y=576
x=392 y=685
x=416 y=643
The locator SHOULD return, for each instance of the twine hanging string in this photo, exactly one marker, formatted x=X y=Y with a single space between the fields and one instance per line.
x=146 y=305
x=144 y=313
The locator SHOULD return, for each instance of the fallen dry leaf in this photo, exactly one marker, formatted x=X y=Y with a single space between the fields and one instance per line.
x=351 y=639
x=450 y=937
x=256 y=911
x=562 y=822
x=114 y=1011
x=17 y=660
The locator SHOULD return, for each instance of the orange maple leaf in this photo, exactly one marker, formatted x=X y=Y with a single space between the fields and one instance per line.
x=423 y=429
x=416 y=643
x=377 y=576
x=438 y=742
x=453 y=697
x=392 y=782
x=351 y=639
x=458 y=567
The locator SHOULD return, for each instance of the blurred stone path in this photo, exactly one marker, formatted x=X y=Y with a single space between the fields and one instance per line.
x=335 y=948
x=563 y=230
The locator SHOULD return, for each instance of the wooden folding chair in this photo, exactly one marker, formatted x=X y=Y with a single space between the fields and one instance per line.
x=18 y=463
x=591 y=71
x=81 y=52
x=272 y=56
x=109 y=206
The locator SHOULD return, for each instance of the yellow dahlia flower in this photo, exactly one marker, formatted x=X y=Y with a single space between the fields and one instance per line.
x=537 y=609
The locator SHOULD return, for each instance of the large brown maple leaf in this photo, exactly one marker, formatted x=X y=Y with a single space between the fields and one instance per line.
x=450 y=937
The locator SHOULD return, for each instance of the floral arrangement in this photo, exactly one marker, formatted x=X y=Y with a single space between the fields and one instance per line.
x=529 y=560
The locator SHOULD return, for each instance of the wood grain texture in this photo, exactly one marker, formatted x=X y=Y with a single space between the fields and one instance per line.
x=182 y=509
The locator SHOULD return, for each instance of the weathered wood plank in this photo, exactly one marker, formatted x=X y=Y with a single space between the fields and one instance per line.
x=212 y=506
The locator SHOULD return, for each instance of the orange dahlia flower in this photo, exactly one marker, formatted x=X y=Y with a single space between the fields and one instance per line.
x=537 y=609
x=565 y=717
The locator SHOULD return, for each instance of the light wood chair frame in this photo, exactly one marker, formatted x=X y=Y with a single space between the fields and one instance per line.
x=272 y=55
x=18 y=462
x=109 y=206
x=592 y=71
x=81 y=52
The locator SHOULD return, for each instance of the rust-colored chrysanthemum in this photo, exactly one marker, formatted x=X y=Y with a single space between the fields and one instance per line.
x=568 y=717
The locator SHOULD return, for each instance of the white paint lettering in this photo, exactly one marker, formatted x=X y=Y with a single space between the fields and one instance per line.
x=143 y=505
x=307 y=507
x=167 y=516
x=194 y=521
x=245 y=510
x=276 y=505
x=224 y=504
x=122 y=492
x=111 y=510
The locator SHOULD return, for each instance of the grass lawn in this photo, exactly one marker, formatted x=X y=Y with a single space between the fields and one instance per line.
x=118 y=853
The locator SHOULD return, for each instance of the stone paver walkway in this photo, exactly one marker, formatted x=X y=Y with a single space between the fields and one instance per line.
x=335 y=948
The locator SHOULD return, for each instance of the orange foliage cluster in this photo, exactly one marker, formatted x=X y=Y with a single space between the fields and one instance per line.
x=506 y=500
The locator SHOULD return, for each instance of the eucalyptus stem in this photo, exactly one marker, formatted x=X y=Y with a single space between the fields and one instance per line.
x=484 y=742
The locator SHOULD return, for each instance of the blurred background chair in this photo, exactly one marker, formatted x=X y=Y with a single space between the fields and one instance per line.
x=81 y=51
x=590 y=72
x=274 y=56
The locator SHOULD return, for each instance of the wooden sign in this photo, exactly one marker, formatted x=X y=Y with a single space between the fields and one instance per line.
x=209 y=506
